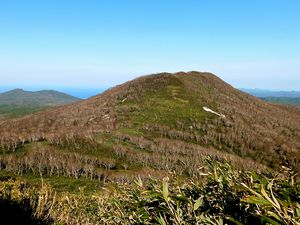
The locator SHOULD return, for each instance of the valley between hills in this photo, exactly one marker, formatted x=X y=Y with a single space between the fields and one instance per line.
x=167 y=148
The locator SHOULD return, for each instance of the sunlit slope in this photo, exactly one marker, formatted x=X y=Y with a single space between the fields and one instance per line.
x=158 y=122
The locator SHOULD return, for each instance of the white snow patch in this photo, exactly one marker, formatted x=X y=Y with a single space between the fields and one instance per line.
x=211 y=111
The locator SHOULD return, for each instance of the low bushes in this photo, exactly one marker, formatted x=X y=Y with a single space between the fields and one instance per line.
x=224 y=195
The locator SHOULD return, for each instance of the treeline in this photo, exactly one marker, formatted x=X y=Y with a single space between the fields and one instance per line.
x=173 y=155
x=78 y=156
x=49 y=161
x=232 y=138
x=10 y=142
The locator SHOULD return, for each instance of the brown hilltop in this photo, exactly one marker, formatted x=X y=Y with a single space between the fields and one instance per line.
x=167 y=110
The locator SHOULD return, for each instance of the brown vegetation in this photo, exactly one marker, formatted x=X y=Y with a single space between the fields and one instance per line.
x=158 y=122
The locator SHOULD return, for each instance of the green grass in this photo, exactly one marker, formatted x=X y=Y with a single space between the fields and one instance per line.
x=11 y=111
x=59 y=184
x=65 y=184
x=165 y=106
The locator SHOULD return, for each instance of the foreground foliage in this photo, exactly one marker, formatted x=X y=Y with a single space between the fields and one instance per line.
x=224 y=195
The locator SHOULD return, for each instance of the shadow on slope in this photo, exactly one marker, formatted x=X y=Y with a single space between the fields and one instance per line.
x=16 y=213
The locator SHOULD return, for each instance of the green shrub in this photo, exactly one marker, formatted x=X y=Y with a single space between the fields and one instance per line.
x=227 y=196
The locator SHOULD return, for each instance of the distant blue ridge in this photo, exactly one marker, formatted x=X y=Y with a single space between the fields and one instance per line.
x=82 y=93
x=260 y=93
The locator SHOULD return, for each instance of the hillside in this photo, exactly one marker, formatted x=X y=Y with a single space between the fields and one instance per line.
x=152 y=125
x=19 y=97
x=17 y=102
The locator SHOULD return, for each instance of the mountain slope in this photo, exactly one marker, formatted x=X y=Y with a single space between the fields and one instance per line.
x=158 y=123
x=20 y=97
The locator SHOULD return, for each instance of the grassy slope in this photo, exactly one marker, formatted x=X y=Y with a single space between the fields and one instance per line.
x=13 y=111
x=135 y=150
x=164 y=105
x=161 y=105
x=59 y=184
x=132 y=147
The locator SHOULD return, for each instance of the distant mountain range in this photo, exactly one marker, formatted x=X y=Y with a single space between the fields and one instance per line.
x=283 y=100
x=18 y=102
x=260 y=93
x=280 y=97
x=19 y=97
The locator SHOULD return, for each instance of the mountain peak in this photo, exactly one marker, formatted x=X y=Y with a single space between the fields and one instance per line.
x=16 y=90
x=180 y=108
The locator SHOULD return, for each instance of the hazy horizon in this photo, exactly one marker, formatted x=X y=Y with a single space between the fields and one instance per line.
x=86 y=92
x=74 y=91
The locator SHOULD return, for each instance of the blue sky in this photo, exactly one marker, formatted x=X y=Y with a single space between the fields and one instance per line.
x=97 y=44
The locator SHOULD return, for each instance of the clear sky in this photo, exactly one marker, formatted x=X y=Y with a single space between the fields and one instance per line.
x=100 y=43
